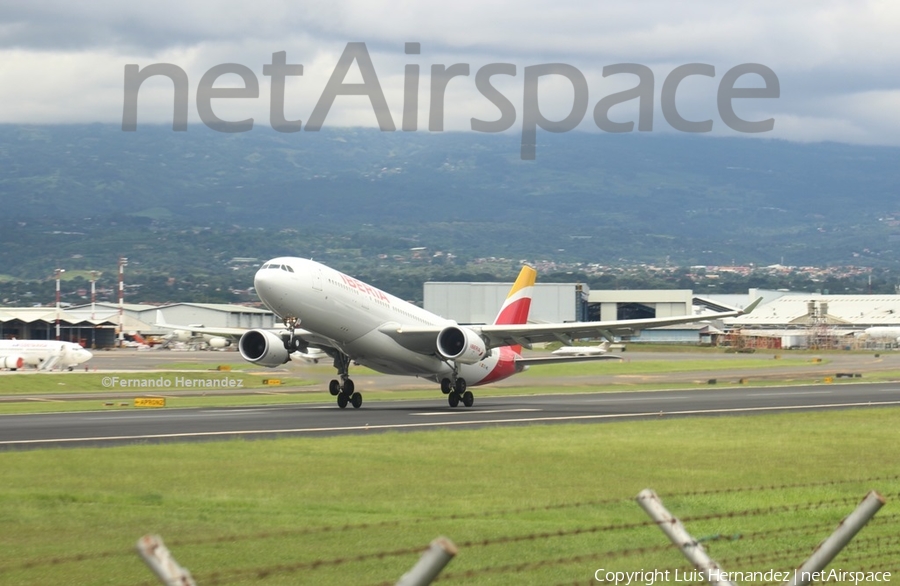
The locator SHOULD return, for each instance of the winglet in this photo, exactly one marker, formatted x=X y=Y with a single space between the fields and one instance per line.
x=751 y=307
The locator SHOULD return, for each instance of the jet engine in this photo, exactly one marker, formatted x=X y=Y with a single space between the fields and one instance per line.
x=12 y=362
x=264 y=348
x=461 y=344
x=218 y=342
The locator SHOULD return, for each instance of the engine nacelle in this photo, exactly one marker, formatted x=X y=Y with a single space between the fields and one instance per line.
x=264 y=348
x=218 y=342
x=12 y=362
x=461 y=344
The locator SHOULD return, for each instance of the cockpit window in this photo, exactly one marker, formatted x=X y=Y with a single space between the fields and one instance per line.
x=272 y=265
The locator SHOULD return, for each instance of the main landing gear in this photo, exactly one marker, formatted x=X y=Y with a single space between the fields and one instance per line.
x=344 y=389
x=456 y=392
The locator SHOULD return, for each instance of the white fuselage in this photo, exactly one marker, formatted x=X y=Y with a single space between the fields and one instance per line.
x=44 y=354
x=883 y=332
x=345 y=313
x=579 y=351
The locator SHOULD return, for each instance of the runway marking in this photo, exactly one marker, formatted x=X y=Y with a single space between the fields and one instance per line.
x=797 y=394
x=476 y=412
x=142 y=416
x=634 y=400
x=228 y=411
x=426 y=425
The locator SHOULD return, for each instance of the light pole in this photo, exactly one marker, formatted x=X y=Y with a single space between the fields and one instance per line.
x=122 y=262
x=94 y=275
x=57 y=274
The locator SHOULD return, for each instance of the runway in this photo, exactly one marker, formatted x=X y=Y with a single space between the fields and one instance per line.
x=316 y=420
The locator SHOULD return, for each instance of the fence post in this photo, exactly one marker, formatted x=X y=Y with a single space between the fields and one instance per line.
x=160 y=560
x=438 y=555
x=847 y=529
x=678 y=535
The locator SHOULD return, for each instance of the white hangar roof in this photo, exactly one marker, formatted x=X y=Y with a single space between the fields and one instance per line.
x=807 y=309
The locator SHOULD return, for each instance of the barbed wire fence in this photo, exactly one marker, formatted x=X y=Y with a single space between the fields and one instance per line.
x=880 y=551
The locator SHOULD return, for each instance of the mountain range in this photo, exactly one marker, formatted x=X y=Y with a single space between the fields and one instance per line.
x=604 y=198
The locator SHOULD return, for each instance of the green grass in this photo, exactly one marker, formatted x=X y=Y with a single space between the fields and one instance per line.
x=556 y=498
x=149 y=382
x=661 y=366
x=304 y=395
x=38 y=390
x=230 y=366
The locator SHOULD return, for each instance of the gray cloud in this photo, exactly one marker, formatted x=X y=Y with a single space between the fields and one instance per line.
x=838 y=61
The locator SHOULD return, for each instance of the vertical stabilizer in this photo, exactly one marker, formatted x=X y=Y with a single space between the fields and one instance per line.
x=518 y=302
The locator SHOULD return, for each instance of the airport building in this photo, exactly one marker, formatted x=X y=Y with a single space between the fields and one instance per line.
x=783 y=320
x=809 y=320
x=96 y=326
x=479 y=303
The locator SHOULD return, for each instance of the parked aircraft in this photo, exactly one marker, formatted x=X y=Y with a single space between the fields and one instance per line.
x=355 y=322
x=43 y=354
x=197 y=334
x=892 y=332
x=600 y=350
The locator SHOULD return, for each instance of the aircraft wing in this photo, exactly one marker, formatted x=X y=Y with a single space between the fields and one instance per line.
x=311 y=339
x=200 y=330
x=197 y=329
x=528 y=334
x=422 y=339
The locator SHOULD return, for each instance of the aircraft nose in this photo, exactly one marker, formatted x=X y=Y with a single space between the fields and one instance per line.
x=264 y=280
x=269 y=285
x=274 y=283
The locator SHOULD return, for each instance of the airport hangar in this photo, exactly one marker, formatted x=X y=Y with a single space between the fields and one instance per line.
x=784 y=319
x=97 y=326
x=475 y=303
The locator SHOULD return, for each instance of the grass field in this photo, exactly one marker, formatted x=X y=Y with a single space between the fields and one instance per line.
x=147 y=382
x=42 y=390
x=529 y=505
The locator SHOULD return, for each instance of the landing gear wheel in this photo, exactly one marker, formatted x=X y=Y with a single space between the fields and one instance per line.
x=342 y=401
x=347 y=387
x=468 y=399
x=356 y=400
x=446 y=386
x=453 y=399
x=334 y=387
x=460 y=386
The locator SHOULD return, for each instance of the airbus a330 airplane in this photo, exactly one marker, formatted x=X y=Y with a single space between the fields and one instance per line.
x=44 y=354
x=355 y=322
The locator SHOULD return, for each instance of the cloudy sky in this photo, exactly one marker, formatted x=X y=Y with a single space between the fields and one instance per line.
x=837 y=61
